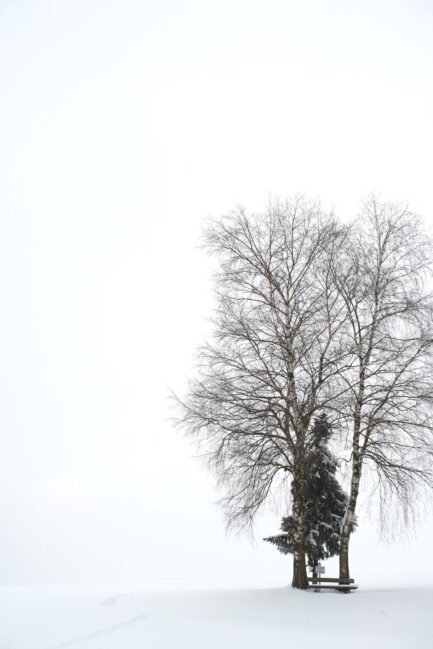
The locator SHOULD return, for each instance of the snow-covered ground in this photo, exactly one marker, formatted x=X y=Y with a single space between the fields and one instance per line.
x=108 y=617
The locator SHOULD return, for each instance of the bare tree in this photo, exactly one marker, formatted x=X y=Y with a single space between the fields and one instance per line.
x=276 y=358
x=380 y=275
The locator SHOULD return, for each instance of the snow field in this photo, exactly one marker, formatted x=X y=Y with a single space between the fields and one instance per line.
x=103 y=617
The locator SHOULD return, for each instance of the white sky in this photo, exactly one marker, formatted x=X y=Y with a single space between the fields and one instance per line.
x=123 y=124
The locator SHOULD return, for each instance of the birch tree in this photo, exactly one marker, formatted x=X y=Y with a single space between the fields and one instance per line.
x=381 y=276
x=275 y=358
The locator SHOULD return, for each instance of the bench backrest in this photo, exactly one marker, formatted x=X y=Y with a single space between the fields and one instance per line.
x=333 y=580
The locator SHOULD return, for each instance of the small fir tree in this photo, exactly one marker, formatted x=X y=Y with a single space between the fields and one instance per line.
x=325 y=502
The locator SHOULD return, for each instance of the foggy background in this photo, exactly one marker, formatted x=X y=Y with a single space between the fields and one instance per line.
x=123 y=124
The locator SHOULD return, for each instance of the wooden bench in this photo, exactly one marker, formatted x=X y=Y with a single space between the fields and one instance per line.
x=332 y=582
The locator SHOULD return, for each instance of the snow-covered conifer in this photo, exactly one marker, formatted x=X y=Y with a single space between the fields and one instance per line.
x=325 y=501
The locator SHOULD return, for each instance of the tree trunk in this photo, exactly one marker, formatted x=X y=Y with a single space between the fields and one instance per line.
x=344 y=558
x=315 y=572
x=299 y=566
x=349 y=518
x=299 y=571
x=347 y=526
